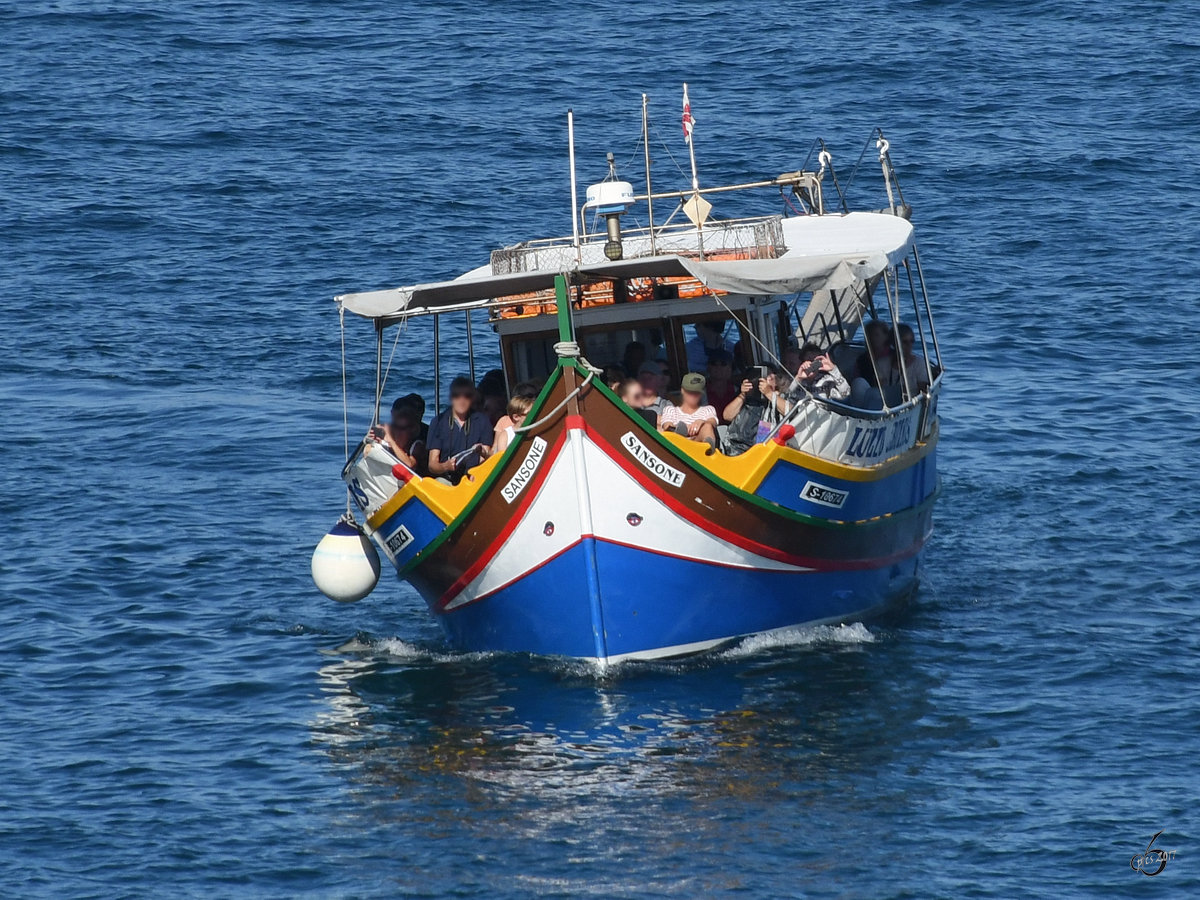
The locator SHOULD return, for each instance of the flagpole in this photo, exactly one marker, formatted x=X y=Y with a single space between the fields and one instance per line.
x=689 y=128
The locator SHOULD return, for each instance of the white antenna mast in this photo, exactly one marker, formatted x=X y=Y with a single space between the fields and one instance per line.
x=649 y=190
x=574 y=188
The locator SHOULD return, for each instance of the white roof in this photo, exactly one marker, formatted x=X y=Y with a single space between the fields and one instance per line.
x=823 y=253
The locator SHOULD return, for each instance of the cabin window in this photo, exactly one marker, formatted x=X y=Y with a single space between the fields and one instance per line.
x=531 y=358
x=703 y=335
x=620 y=346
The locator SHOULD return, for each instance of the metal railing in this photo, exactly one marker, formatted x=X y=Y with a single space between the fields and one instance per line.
x=753 y=238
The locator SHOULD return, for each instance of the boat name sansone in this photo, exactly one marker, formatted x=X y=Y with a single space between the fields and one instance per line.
x=652 y=463
x=533 y=459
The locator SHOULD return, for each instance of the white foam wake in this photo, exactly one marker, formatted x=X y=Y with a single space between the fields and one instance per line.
x=800 y=636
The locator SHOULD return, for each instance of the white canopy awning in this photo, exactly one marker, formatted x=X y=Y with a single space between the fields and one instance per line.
x=824 y=253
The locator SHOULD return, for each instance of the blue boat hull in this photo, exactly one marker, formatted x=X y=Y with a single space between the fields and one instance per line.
x=605 y=601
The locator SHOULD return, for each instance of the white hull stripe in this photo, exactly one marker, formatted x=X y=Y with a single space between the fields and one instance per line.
x=623 y=512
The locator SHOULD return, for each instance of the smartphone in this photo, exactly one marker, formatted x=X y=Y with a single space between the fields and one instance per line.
x=755 y=374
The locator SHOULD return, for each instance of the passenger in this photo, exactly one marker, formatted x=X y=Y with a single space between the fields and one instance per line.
x=820 y=376
x=518 y=408
x=634 y=356
x=402 y=437
x=459 y=438
x=792 y=359
x=630 y=390
x=879 y=340
x=493 y=396
x=865 y=389
x=690 y=419
x=753 y=413
x=721 y=387
x=493 y=406
x=914 y=364
x=493 y=383
x=652 y=376
x=613 y=376
x=710 y=337
x=665 y=378
x=416 y=403
x=741 y=356
x=526 y=390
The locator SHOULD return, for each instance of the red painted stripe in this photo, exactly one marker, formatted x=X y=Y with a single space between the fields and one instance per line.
x=644 y=478
x=518 y=513
x=646 y=481
x=441 y=607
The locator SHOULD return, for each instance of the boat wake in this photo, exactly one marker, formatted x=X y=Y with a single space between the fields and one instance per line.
x=800 y=636
x=398 y=650
x=395 y=650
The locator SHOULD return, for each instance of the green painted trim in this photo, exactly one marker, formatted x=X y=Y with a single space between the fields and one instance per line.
x=708 y=475
x=484 y=488
x=563 y=304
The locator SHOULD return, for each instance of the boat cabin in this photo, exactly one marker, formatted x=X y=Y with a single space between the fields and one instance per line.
x=761 y=288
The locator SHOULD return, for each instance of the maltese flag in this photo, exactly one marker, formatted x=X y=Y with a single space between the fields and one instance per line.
x=688 y=122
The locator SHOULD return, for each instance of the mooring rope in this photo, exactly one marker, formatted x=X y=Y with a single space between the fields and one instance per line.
x=345 y=400
x=564 y=350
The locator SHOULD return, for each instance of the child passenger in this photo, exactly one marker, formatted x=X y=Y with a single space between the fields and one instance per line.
x=506 y=428
x=518 y=408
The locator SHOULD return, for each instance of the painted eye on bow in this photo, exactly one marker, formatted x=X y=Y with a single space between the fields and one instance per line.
x=548 y=529
x=633 y=519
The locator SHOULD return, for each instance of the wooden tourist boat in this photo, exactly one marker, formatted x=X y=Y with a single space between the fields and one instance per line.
x=595 y=535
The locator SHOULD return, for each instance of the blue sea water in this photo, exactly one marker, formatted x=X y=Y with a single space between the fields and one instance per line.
x=185 y=186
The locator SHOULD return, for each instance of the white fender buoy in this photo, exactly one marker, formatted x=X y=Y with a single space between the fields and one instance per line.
x=345 y=564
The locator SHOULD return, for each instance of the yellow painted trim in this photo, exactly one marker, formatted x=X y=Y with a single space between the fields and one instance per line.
x=746 y=472
x=749 y=470
x=446 y=501
x=861 y=473
x=745 y=469
x=391 y=506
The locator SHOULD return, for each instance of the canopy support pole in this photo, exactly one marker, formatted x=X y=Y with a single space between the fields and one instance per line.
x=928 y=312
x=837 y=313
x=437 y=366
x=897 y=350
x=378 y=369
x=912 y=292
x=470 y=346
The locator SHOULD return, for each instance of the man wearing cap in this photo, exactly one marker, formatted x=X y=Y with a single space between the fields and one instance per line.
x=689 y=418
